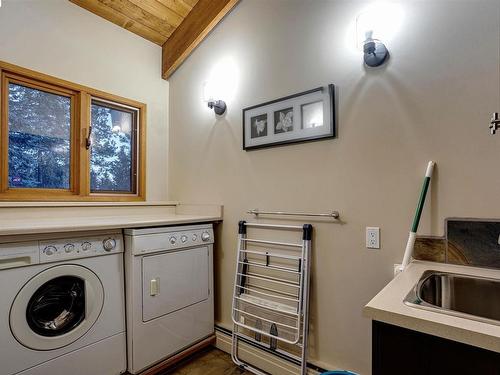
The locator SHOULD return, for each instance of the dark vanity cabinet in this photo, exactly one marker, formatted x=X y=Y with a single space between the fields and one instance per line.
x=400 y=351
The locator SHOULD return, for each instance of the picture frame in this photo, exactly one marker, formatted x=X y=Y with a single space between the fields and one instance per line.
x=303 y=117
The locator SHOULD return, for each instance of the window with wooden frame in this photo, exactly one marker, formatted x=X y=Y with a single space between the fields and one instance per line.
x=62 y=141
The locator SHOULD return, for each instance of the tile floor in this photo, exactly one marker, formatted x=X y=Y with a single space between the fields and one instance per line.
x=210 y=362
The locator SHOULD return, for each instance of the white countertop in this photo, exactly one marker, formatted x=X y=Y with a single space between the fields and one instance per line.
x=70 y=224
x=29 y=219
x=387 y=306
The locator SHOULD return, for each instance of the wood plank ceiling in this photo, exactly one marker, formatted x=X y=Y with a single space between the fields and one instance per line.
x=158 y=21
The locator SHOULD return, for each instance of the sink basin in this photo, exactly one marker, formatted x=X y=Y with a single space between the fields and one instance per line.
x=470 y=297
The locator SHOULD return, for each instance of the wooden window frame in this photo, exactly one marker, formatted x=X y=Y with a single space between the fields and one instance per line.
x=81 y=98
x=133 y=144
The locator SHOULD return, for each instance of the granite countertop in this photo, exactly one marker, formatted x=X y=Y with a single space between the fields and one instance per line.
x=387 y=306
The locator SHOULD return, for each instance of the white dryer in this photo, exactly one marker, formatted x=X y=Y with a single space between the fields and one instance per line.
x=169 y=289
x=62 y=309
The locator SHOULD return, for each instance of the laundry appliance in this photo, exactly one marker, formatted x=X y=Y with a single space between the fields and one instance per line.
x=169 y=290
x=62 y=309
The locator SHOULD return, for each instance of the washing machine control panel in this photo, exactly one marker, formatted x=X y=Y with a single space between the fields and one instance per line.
x=56 y=250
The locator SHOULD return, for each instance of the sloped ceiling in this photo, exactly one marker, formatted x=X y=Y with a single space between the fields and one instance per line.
x=176 y=25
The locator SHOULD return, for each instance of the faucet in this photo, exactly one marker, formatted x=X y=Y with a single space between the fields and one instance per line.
x=494 y=123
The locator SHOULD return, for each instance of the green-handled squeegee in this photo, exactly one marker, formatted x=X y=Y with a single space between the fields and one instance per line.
x=416 y=220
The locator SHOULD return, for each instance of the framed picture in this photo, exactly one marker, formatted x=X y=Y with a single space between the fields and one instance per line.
x=307 y=116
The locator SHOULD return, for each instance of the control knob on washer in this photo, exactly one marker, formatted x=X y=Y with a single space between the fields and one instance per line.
x=205 y=236
x=184 y=238
x=68 y=248
x=86 y=246
x=49 y=250
x=109 y=244
x=173 y=240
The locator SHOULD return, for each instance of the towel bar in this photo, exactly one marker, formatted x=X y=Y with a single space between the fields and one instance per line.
x=332 y=214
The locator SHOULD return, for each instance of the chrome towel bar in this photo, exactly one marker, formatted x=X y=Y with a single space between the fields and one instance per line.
x=332 y=214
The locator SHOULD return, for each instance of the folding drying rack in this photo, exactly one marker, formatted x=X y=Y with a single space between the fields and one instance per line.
x=271 y=295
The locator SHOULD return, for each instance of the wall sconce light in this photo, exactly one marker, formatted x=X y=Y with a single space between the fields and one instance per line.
x=375 y=53
x=209 y=92
x=380 y=22
x=220 y=85
x=219 y=106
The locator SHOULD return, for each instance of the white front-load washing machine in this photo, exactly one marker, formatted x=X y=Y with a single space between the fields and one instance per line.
x=62 y=305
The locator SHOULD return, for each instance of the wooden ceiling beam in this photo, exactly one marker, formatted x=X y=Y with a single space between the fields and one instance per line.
x=204 y=16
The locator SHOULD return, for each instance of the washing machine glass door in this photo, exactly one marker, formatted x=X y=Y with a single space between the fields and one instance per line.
x=56 y=307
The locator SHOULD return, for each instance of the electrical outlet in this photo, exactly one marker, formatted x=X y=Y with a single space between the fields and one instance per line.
x=372 y=238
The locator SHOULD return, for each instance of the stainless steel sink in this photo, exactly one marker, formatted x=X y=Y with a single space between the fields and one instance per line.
x=465 y=296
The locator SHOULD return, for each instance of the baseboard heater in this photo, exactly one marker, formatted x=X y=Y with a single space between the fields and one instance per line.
x=310 y=366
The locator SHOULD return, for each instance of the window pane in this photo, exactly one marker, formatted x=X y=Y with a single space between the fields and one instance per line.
x=112 y=157
x=39 y=138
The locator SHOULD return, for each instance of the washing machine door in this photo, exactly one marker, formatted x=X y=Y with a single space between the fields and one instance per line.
x=56 y=307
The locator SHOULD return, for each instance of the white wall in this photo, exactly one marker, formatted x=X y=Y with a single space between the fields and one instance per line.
x=59 y=38
x=432 y=101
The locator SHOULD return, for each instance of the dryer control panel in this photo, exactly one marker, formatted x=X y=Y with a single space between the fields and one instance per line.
x=55 y=250
x=151 y=240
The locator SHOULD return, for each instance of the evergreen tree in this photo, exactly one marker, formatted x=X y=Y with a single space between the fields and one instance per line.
x=39 y=138
x=39 y=143
x=111 y=152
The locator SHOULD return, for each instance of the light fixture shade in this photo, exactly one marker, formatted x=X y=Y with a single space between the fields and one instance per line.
x=381 y=21
x=374 y=27
x=208 y=91
x=221 y=84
